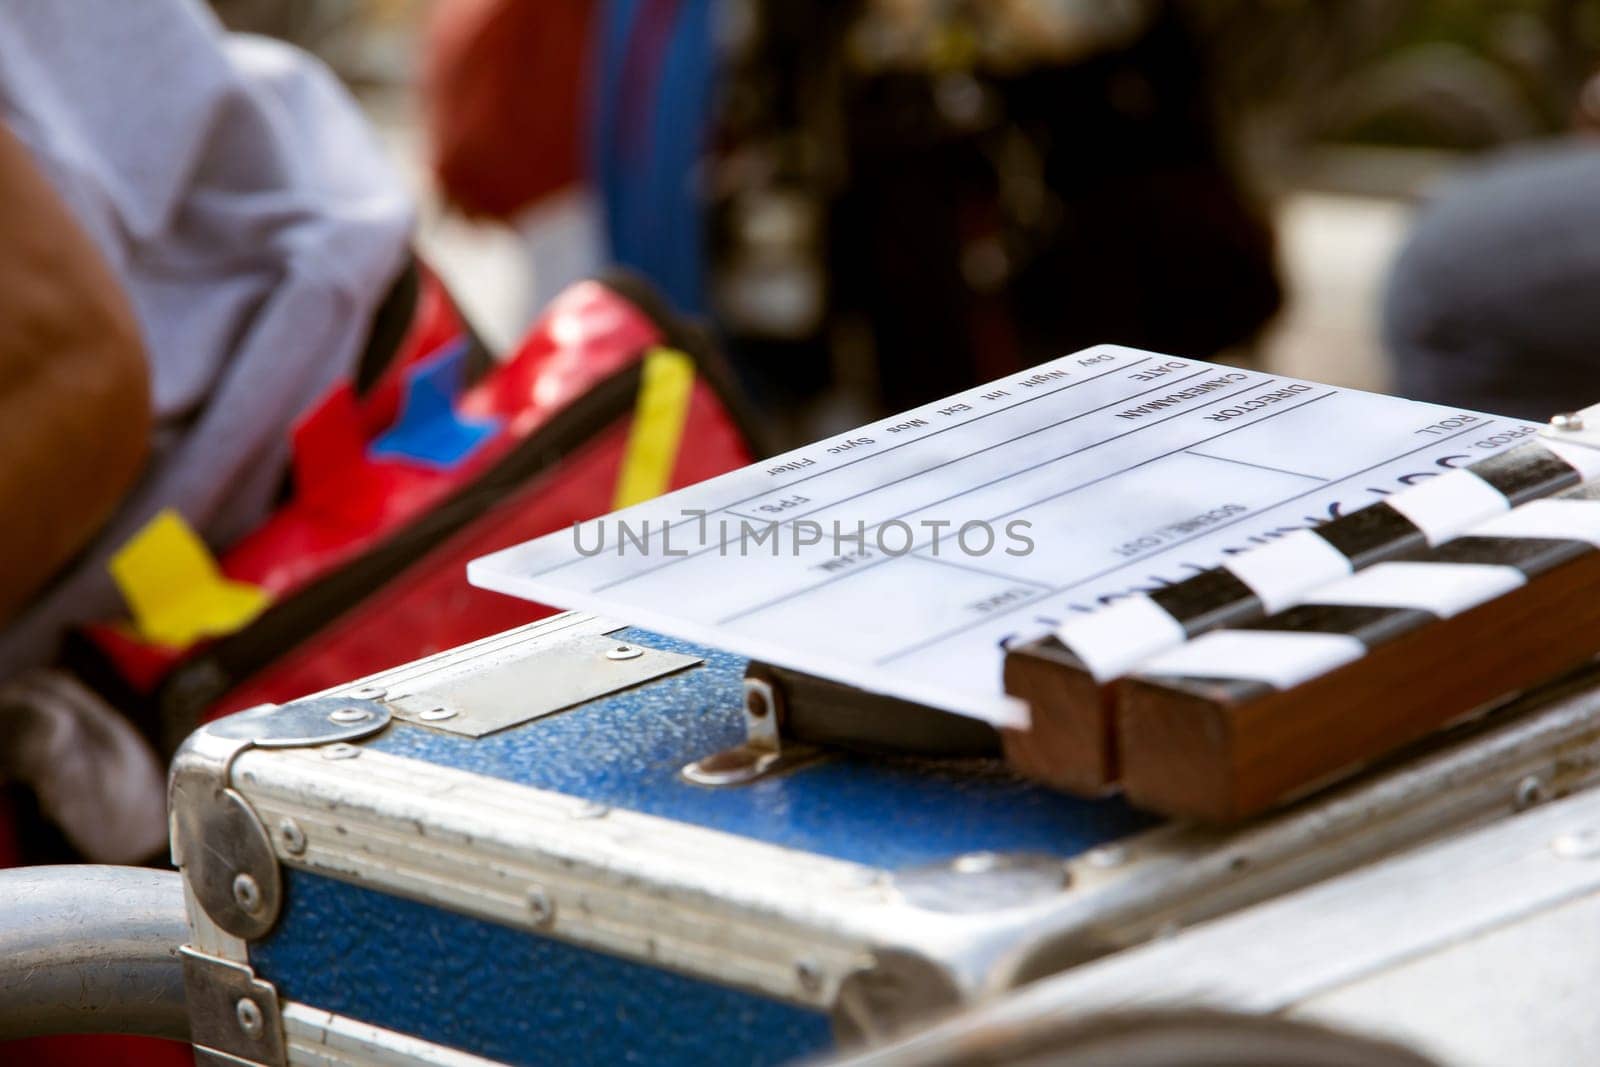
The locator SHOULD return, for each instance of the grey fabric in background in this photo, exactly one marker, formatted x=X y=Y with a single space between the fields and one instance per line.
x=1494 y=301
x=234 y=186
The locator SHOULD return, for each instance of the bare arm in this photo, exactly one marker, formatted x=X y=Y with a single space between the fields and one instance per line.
x=74 y=388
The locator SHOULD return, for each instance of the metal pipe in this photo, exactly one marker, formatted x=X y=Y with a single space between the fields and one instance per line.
x=91 y=950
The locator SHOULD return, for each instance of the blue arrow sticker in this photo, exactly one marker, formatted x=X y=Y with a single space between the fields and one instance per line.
x=428 y=429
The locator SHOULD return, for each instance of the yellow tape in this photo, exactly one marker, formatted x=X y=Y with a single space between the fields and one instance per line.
x=175 y=592
x=658 y=419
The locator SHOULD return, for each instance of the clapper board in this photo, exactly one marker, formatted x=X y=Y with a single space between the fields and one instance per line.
x=1113 y=558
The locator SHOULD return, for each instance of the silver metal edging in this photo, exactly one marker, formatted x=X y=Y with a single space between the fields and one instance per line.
x=786 y=924
x=1297 y=951
x=318 y=1038
x=1180 y=874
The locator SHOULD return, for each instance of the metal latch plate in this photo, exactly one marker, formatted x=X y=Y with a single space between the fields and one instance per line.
x=548 y=679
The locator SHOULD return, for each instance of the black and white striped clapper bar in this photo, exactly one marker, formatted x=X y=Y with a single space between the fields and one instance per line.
x=1269 y=607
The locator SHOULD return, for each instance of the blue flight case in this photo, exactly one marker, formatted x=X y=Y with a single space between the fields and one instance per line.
x=503 y=854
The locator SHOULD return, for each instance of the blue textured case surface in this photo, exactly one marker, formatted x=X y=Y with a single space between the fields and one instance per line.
x=404 y=965
x=626 y=750
x=507 y=994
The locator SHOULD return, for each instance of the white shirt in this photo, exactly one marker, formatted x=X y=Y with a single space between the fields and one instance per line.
x=234 y=187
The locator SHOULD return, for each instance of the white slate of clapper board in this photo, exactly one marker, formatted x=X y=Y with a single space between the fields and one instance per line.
x=1132 y=469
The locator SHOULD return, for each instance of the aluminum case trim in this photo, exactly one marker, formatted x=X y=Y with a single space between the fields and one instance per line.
x=784 y=923
x=317 y=1038
x=1416 y=947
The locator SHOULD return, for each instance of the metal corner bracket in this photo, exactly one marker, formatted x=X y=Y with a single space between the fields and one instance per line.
x=234 y=1017
x=218 y=842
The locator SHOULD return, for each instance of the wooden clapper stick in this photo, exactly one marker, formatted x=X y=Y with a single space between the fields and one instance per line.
x=1239 y=719
x=1076 y=738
